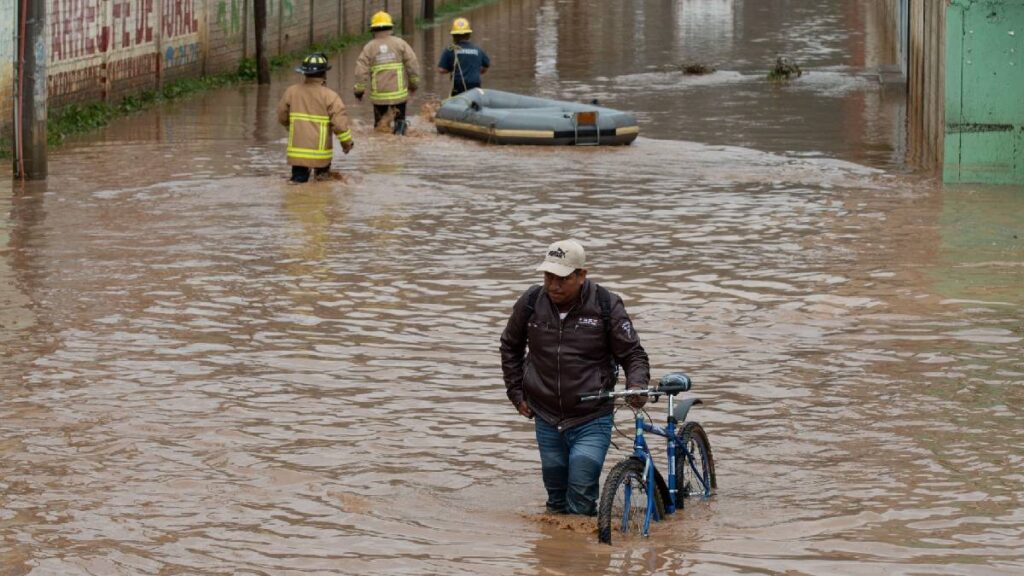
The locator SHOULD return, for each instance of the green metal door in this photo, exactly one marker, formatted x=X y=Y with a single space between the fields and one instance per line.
x=984 y=139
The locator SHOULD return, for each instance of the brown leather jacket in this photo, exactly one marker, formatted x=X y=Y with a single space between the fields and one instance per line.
x=312 y=112
x=390 y=66
x=569 y=357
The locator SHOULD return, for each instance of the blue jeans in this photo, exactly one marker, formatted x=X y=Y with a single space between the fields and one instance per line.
x=571 y=462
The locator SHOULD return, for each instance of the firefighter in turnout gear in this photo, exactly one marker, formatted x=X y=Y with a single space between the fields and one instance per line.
x=389 y=66
x=465 y=61
x=312 y=112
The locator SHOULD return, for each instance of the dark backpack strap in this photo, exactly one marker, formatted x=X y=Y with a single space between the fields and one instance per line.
x=604 y=299
x=531 y=301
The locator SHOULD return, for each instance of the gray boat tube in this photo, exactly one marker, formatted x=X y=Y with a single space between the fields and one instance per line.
x=507 y=118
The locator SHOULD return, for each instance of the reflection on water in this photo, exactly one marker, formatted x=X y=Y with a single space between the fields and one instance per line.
x=981 y=245
x=705 y=23
x=546 y=44
x=211 y=371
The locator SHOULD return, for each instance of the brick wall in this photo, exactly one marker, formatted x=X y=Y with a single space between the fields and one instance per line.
x=103 y=50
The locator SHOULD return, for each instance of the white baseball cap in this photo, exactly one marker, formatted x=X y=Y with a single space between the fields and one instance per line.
x=563 y=257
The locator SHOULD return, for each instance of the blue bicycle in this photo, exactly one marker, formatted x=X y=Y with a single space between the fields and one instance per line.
x=635 y=492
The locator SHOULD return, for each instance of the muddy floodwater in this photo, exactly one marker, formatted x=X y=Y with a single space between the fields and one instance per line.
x=209 y=371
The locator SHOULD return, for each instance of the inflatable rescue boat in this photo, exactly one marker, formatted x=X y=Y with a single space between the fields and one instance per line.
x=507 y=118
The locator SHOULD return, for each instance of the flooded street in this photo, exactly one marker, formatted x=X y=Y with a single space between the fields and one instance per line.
x=209 y=371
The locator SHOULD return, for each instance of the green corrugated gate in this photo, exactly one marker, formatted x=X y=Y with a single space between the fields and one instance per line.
x=984 y=91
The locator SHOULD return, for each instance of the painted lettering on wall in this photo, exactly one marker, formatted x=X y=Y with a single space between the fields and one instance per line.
x=71 y=81
x=132 y=22
x=181 y=55
x=76 y=29
x=179 y=18
x=80 y=28
x=133 y=67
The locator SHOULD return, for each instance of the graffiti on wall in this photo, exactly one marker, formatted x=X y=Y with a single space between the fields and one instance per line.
x=229 y=13
x=229 y=21
x=181 y=55
x=287 y=8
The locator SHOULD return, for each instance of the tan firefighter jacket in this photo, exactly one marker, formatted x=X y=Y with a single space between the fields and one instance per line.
x=390 y=66
x=312 y=112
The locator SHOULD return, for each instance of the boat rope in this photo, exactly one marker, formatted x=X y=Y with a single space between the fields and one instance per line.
x=458 y=68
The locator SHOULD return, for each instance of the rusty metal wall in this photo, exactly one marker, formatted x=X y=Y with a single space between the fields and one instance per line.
x=103 y=50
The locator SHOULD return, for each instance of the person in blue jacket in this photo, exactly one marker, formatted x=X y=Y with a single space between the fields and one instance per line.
x=465 y=61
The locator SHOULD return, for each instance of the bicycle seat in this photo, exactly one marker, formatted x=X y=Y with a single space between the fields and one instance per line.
x=674 y=383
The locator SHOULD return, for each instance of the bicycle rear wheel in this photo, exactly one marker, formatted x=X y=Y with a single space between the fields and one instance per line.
x=623 y=504
x=695 y=466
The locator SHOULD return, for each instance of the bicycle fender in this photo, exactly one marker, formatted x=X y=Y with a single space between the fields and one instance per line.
x=682 y=408
x=659 y=481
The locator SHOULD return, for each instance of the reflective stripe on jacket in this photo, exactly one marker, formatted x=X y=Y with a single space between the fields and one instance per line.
x=568 y=357
x=312 y=112
x=389 y=65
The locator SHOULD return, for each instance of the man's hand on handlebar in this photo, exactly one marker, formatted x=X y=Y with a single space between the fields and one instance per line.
x=524 y=409
x=636 y=402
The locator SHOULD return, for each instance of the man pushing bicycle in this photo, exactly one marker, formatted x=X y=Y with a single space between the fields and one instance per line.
x=563 y=340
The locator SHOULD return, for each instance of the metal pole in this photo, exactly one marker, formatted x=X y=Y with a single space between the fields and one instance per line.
x=428 y=9
x=262 y=62
x=30 y=111
x=408 y=17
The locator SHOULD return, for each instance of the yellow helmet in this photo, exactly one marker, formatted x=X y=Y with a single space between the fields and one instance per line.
x=381 y=21
x=460 y=26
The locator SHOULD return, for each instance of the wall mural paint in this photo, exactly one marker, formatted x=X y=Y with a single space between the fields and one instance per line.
x=105 y=49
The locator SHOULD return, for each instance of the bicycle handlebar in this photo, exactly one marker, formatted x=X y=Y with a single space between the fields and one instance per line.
x=609 y=394
x=669 y=384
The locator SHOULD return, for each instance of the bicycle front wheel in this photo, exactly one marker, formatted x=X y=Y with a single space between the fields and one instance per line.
x=623 y=506
x=695 y=467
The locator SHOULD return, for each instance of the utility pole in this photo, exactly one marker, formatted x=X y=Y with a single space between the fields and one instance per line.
x=408 y=17
x=30 y=105
x=262 y=62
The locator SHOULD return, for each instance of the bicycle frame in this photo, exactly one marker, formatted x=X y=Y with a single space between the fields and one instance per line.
x=623 y=476
x=642 y=452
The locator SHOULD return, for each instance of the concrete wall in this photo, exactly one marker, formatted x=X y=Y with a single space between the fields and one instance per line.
x=8 y=16
x=897 y=14
x=103 y=50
